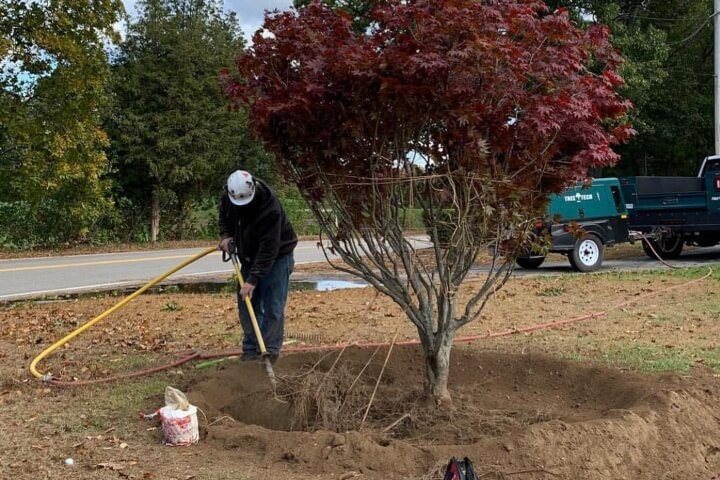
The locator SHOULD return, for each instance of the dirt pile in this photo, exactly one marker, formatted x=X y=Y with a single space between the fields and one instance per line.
x=528 y=414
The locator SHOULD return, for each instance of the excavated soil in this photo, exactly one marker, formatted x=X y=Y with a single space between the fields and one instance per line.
x=532 y=414
x=570 y=403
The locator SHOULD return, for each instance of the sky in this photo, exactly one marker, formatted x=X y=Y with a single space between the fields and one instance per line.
x=250 y=12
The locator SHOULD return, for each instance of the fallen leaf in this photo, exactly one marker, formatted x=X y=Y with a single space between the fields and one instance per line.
x=124 y=445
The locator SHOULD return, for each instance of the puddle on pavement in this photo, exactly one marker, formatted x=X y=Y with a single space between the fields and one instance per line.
x=325 y=285
x=229 y=287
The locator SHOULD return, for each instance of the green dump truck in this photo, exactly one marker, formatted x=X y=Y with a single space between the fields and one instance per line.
x=676 y=211
x=581 y=222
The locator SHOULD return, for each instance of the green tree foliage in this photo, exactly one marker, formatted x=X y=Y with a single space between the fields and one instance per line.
x=53 y=73
x=676 y=110
x=174 y=139
x=668 y=71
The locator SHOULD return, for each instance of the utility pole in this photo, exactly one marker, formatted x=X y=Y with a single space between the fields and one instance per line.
x=716 y=71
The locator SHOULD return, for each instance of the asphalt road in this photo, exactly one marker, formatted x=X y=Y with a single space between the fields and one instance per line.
x=37 y=277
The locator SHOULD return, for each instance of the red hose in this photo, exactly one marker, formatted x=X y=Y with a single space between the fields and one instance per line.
x=124 y=376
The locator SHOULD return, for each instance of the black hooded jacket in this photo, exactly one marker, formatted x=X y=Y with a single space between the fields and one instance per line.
x=261 y=230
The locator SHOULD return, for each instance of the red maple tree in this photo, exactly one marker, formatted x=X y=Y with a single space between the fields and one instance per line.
x=470 y=111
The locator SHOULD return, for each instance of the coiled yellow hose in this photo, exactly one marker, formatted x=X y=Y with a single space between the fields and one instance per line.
x=124 y=301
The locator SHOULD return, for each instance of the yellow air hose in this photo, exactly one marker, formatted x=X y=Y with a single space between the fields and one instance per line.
x=79 y=330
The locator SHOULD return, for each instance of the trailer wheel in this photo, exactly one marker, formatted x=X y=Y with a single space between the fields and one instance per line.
x=530 y=263
x=587 y=255
x=667 y=247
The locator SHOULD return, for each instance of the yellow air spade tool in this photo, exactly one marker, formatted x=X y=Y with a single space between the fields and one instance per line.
x=264 y=356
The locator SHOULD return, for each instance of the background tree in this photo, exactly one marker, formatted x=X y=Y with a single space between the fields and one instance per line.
x=668 y=71
x=53 y=72
x=174 y=139
x=676 y=112
x=501 y=103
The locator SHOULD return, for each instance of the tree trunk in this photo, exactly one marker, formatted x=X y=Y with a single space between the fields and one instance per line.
x=437 y=370
x=183 y=224
x=155 y=216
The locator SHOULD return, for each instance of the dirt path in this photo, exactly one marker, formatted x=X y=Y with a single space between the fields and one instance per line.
x=582 y=401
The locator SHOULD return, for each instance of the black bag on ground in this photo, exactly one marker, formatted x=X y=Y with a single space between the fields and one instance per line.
x=460 y=470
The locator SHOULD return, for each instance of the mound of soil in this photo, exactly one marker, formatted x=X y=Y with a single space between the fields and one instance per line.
x=520 y=415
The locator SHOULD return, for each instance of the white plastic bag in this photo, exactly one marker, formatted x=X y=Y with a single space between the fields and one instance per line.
x=176 y=399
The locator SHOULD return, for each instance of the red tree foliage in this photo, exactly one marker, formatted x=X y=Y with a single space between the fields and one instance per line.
x=502 y=88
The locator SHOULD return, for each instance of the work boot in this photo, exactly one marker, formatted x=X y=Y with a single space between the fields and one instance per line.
x=249 y=357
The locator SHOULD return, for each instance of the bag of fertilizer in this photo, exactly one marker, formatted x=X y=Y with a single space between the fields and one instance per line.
x=178 y=419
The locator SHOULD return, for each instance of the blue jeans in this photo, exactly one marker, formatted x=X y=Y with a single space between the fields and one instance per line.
x=268 y=301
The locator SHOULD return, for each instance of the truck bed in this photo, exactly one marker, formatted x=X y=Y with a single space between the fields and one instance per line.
x=681 y=203
x=669 y=185
x=664 y=193
x=672 y=207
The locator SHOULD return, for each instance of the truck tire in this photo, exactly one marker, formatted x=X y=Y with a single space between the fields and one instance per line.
x=587 y=255
x=667 y=247
x=530 y=263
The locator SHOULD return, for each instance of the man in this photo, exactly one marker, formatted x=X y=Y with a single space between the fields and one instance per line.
x=252 y=217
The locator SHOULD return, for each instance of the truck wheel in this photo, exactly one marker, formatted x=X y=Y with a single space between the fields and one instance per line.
x=667 y=247
x=587 y=255
x=530 y=263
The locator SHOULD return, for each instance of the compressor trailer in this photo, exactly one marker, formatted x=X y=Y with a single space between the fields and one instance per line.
x=580 y=223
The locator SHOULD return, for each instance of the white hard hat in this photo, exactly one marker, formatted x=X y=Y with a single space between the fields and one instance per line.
x=241 y=187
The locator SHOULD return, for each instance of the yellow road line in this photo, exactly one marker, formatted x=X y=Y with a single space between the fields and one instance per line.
x=90 y=264
x=111 y=262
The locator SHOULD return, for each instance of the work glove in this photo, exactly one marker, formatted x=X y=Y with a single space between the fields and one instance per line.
x=224 y=245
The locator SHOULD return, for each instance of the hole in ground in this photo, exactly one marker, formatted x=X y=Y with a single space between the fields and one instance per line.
x=493 y=394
